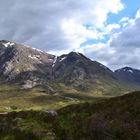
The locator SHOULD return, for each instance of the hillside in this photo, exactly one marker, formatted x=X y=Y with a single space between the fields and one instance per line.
x=69 y=70
x=110 y=119
x=80 y=72
x=28 y=68
x=33 y=79
x=129 y=75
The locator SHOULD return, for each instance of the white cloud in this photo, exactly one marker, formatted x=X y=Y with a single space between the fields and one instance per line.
x=122 y=49
x=129 y=37
x=42 y=23
x=124 y=19
x=138 y=14
x=100 y=52
x=112 y=28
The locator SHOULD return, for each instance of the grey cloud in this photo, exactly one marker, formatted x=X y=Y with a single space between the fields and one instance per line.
x=121 y=57
x=127 y=48
x=129 y=37
x=37 y=22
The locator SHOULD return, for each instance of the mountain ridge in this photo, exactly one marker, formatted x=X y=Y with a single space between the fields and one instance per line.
x=30 y=67
x=129 y=74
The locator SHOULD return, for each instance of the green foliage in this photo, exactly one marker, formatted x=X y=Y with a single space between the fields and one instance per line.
x=106 y=119
x=14 y=99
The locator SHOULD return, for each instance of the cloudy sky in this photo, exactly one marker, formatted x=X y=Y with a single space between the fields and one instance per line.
x=107 y=31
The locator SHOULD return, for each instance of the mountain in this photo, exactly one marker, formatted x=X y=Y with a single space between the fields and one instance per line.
x=17 y=59
x=129 y=75
x=75 y=66
x=80 y=72
x=25 y=65
x=32 y=68
x=31 y=79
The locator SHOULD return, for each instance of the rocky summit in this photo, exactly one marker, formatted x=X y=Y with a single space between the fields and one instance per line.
x=128 y=74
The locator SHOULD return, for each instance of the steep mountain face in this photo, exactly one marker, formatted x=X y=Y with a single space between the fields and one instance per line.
x=129 y=75
x=24 y=64
x=30 y=67
x=79 y=71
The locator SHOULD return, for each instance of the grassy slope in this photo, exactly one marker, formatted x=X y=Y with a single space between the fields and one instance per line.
x=110 y=119
x=116 y=118
x=13 y=98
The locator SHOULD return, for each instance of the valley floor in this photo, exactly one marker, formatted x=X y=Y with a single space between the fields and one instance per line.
x=14 y=99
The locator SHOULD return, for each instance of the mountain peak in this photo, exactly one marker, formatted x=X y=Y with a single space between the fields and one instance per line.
x=73 y=56
x=5 y=43
x=74 y=53
x=126 y=69
x=129 y=74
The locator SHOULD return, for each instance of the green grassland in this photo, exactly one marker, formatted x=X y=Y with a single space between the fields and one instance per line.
x=12 y=98
x=107 y=119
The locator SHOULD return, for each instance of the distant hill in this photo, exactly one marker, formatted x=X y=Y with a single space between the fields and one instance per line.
x=129 y=75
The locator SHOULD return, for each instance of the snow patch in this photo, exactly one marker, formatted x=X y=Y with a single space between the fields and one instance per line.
x=8 y=44
x=62 y=59
x=50 y=59
x=34 y=48
x=131 y=71
x=35 y=57
x=125 y=69
x=38 y=50
x=54 y=61
x=128 y=70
